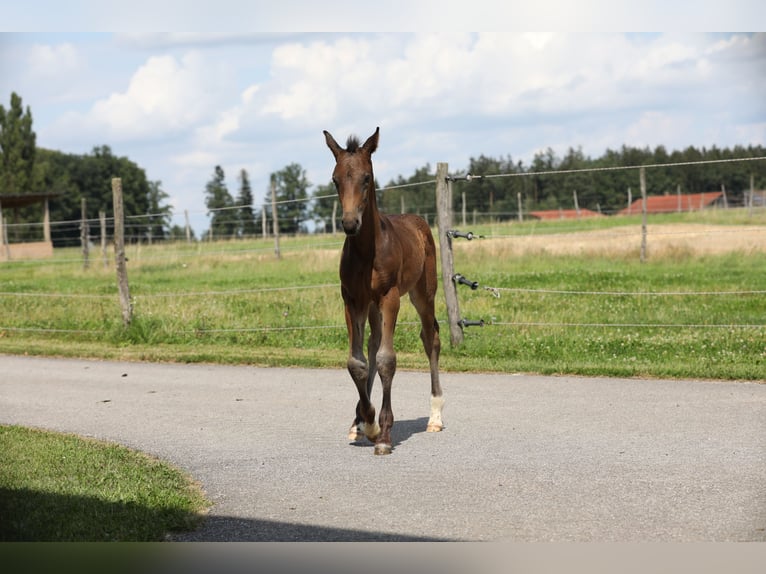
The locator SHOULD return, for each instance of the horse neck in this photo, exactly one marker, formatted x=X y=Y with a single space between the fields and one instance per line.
x=369 y=235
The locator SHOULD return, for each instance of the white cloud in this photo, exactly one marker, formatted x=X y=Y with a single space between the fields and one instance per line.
x=45 y=60
x=436 y=96
x=166 y=96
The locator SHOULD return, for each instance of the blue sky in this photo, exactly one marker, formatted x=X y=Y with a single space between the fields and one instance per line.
x=180 y=103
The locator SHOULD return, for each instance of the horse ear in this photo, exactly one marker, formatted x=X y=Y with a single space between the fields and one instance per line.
x=332 y=144
x=372 y=142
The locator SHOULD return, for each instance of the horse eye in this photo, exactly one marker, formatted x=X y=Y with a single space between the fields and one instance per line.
x=335 y=182
x=366 y=180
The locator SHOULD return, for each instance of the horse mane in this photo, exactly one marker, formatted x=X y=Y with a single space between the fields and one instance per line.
x=352 y=144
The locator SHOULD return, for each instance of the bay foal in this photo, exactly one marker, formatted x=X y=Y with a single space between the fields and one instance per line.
x=384 y=257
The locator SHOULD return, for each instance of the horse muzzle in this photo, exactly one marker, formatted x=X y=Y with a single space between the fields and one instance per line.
x=351 y=224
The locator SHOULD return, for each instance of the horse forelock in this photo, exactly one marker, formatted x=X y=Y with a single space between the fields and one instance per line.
x=352 y=144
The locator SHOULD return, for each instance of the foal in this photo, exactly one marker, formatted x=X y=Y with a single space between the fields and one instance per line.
x=384 y=258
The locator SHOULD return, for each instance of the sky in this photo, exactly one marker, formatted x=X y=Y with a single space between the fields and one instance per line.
x=180 y=103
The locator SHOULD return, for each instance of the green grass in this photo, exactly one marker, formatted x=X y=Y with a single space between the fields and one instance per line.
x=234 y=302
x=60 y=488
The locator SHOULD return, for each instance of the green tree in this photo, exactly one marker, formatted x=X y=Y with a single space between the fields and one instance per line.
x=159 y=215
x=92 y=175
x=247 y=226
x=75 y=176
x=493 y=196
x=292 y=195
x=17 y=148
x=218 y=200
x=325 y=197
x=414 y=198
x=541 y=191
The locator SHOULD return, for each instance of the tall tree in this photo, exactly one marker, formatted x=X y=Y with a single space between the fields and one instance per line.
x=247 y=227
x=292 y=194
x=324 y=197
x=17 y=148
x=223 y=223
x=159 y=215
x=414 y=198
x=89 y=176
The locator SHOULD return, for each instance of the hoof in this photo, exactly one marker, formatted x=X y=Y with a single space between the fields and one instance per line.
x=371 y=431
x=434 y=427
x=356 y=431
x=382 y=448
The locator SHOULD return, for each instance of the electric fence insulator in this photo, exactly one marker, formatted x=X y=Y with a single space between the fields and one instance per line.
x=470 y=323
x=458 y=278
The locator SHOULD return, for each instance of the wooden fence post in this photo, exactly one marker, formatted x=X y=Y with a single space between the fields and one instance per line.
x=274 y=215
x=187 y=227
x=46 y=221
x=102 y=222
x=119 y=252
x=3 y=237
x=576 y=204
x=750 y=198
x=642 y=177
x=443 y=218
x=84 y=233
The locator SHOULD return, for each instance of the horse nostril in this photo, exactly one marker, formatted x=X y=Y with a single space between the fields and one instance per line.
x=351 y=225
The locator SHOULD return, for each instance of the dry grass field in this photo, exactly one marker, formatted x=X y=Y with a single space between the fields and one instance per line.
x=673 y=239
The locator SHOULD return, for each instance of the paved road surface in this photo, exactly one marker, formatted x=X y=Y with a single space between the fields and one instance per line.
x=522 y=458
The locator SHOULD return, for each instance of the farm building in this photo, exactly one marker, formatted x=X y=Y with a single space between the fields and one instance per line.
x=676 y=203
x=26 y=250
x=563 y=214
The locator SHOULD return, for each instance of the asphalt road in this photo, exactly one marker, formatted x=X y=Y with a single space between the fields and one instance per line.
x=522 y=458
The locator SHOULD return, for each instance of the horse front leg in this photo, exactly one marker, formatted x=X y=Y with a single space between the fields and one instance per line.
x=386 y=364
x=358 y=368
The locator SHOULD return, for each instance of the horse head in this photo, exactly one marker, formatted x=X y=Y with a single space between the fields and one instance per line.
x=353 y=178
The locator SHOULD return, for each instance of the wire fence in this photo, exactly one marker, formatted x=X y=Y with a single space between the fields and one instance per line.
x=145 y=298
x=179 y=252
x=139 y=226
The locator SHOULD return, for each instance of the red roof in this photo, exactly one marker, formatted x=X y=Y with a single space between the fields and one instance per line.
x=672 y=203
x=563 y=214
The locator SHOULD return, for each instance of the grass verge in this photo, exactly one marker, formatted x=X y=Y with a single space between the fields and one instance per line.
x=63 y=488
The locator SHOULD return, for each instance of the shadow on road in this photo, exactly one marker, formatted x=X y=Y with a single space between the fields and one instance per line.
x=231 y=529
x=401 y=432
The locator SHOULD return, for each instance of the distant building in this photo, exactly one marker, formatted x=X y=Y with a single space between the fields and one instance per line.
x=675 y=203
x=26 y=250
x=550 y=214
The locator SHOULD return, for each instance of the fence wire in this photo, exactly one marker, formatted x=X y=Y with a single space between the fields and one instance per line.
x=134 y=222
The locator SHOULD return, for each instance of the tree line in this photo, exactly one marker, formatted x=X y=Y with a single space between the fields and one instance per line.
x=604 y=191
x=66 y=179
x=25 y=168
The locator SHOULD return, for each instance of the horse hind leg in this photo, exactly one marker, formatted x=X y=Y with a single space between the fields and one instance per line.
x=429 y=335
x=432 y=345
